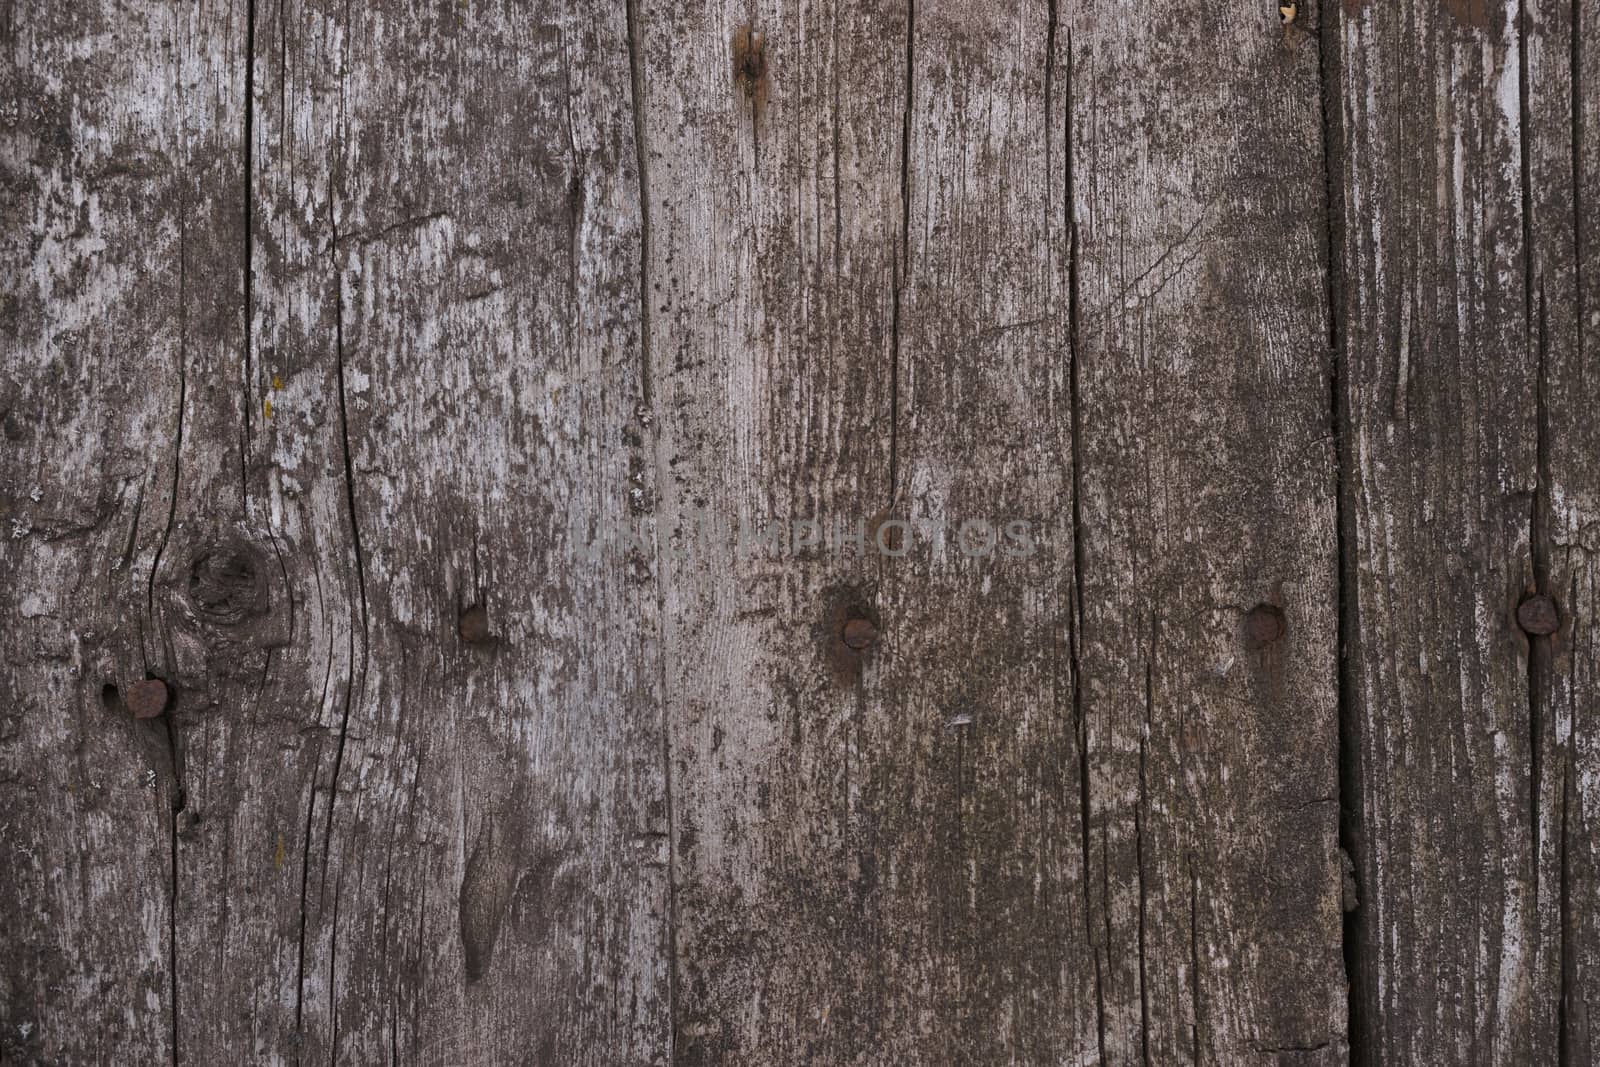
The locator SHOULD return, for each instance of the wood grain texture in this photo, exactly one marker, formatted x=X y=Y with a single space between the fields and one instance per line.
x=1440 y=383
x=488 y=422
x=445 y=386
x=877 y=855
x=123 y=253
x=1206 y=504
x=773 y=198
x=1563 y=100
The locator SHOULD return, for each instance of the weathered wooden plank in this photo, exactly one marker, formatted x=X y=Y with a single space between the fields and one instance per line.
x=773 y=181
x=122 y=251
x=1440 y=396
x=257 y=615
x=977 y=682
x=1206 y=505
x=444 y=829
x=402 y=385
x=877 y=854
x=1562 y=91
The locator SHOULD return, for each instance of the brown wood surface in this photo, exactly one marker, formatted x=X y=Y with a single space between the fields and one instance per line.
x=556 y=464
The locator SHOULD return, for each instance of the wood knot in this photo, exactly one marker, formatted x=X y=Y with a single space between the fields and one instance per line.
x=228 y=584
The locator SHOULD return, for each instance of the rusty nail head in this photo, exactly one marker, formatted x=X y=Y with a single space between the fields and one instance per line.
x=475 y=625
x=859 y=634
x=1539 y=615
x=147 y=699
x=1263 y=624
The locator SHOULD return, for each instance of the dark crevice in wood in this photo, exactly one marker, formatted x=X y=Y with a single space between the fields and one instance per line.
x=636 y=71
x=176 y=806
x=172 y=926
x=333 y=977
x=1194 y=963
x=305 y=883
x=357 y=679
x=1576 y=62
x=1139 y=816
x=1080 y=723
x=1357 y=1023
x=641 y=156
x=838 y=187
x=416 y=996
x=177 y=446
x=1568 y=978
x=249 y=242
x=902 y=265
x=1539 y=550
x=1568 y=960
x=576 y=198
x=305 y=846
x=1536 y=330
x=391 y=995
x=1049 y=99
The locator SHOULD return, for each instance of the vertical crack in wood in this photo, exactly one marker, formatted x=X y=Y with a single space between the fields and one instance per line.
x=249 y=242
x=902 y=265
x=1139 y=813
x=1194 y=963
x=1049 y=99
x=305 y=882
x=635 y=32
x=1568 y=961
x=636 y=73
x=1356 y=963
x=333 y=974
x=575 y=201
x=172 y=910
x=1080 y=723
x=177 y=446
x=1536 y=331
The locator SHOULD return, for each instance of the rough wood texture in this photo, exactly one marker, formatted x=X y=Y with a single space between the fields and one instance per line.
x=1563 y=167
x=123 y=254
x=1457 y=823
x=524 y=456
x=1206 y=509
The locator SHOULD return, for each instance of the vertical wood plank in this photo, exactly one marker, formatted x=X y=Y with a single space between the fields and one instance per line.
x=1207 y=510
x=978 y=687
x=447 y=829
x=772 y=139
x=877 y=852
x=260 y=627
x=121 y=245
x=1563 y=100
x=1440 y=395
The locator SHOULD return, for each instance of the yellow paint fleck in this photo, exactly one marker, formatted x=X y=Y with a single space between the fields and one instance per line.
x=277 y=859
x=277 y=381
x=266 y=407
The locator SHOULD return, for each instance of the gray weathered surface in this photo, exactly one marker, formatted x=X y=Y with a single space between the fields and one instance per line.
x=1468 y=486
x=326 y=323
x=1207 y=488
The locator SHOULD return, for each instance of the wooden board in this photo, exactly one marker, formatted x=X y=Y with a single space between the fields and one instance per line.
x=1453 y=954
x=806 y=532
x=122 y=335
x=1206 y=516
x=1563 y=106
x=463 y=857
